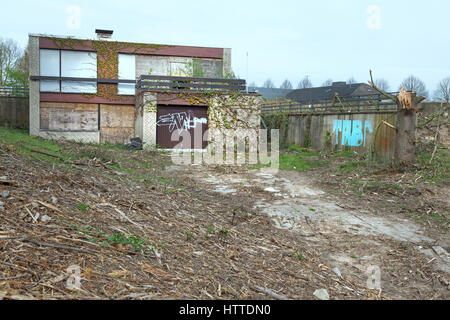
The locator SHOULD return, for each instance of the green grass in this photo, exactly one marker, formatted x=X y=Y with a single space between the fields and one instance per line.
x=83 y=207
x=120 y=238
x=350 y=166
x=438 y=170
x=23 y=143
x=344 y=154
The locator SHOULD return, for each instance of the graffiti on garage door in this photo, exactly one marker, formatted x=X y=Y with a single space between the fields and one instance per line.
x=180 y=121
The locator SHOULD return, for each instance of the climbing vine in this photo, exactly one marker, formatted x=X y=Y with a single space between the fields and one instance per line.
x=107 y=60
x=226 y=110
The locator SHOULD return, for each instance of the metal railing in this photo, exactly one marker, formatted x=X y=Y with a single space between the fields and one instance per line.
x=14 y=91
x=189 y=84
x=374 y=103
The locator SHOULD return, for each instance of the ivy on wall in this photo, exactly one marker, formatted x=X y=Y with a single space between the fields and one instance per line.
x=107 y=60
x=226 y=110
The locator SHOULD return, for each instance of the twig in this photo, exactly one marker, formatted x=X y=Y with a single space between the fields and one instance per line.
x=32 y=216
x=16 y=277
x=437 y=135
x=390 y=125
x=270 y=293
x=58 y=246
x=47 y=154
x=123 y=215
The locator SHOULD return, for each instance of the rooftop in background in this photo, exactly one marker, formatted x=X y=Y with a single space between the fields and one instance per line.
x=327 y=93
x=270 y=93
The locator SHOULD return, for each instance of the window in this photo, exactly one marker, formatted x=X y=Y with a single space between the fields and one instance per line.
x=74 y=64
x=49 y=67
x=77 y=64
x=127 y=71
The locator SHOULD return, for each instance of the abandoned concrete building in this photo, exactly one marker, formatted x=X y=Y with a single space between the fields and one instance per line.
x=99 y=91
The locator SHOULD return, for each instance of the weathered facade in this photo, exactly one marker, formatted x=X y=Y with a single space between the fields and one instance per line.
x=85 y=90
x=163 y=119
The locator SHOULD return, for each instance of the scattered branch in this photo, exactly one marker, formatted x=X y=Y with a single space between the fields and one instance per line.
x=384 y=93
x=437 y=134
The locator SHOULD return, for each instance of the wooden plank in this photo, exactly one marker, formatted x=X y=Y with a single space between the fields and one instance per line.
x=113 y=116
x=116 y=135
x=68 y=116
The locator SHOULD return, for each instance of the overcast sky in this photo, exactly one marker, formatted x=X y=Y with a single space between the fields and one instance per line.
x=324 y=39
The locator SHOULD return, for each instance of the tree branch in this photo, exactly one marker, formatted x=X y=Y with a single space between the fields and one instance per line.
x=419 y=99
x=384 y=93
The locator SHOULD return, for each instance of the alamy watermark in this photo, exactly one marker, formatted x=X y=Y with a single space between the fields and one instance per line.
x=374 y=17
x=73 y=21
x=228 y=147
x=373 y=278
x=74 y=280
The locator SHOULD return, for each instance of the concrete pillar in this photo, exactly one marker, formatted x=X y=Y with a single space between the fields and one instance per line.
x=147 y=130
x=34 y=62
x=226 y=62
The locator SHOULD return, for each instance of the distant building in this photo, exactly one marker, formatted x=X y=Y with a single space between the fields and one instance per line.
x=270 y=93
x=343 y=89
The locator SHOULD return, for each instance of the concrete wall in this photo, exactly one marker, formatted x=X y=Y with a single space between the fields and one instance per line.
x=14 y=111
x=364 y=133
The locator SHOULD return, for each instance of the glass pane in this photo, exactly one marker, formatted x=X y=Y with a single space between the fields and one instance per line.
x=127 y=71
x=78 y=87
x=127 y=89
x=49 y=86
x=78 y=64
x=49 y=63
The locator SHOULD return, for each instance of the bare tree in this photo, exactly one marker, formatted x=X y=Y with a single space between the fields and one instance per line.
x=328 y=83
x=442 y=93
x=286 y=85
x=351 y=80
x=10 y=55
x=414 y=84
x=383 y=84
x=305 y=83
x=269 y=84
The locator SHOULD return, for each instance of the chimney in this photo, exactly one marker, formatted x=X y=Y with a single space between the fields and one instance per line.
x=104 y=34
x=339 y=84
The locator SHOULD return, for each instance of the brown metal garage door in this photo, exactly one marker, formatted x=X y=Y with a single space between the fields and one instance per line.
x=181 y=119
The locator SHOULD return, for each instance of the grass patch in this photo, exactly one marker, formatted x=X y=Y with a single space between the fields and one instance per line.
x=344 y=154
x=120 y=238
x=350 y=166
x=83 y=207
x=438 y=170
x=22 y=143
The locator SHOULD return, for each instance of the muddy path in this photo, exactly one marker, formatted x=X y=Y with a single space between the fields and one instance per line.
x=348 y=238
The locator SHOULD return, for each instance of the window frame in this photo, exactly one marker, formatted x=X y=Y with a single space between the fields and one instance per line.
x=60 y=81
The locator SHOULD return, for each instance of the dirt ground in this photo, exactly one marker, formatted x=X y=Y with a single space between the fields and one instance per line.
x=139 y=227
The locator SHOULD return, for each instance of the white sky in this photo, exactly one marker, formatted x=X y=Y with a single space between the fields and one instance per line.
x=324 y=39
